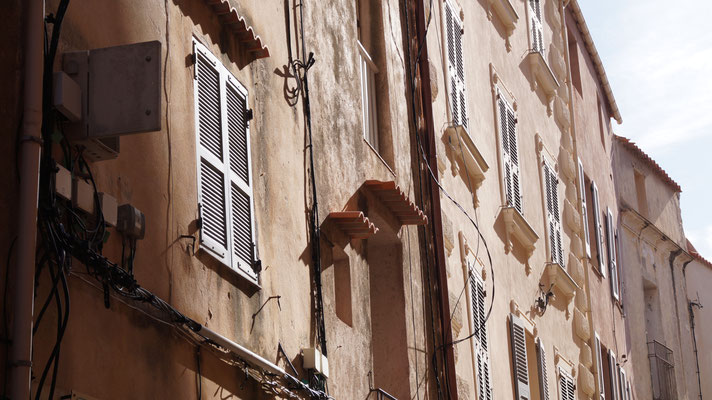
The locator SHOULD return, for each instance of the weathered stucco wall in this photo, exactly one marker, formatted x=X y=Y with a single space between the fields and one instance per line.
x=119 y=352
x=698 y=275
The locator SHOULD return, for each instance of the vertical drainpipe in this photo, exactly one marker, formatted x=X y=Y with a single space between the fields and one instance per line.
x=436 y=216
x=30 y=147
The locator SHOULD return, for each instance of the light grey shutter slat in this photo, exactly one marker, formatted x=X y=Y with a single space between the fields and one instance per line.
x=237 y=131
x=599 y=366
x=598 y=228
x=610 y=233
x=566 y=386
x=551 y=181
x=454 y=99
x=209 y=120
x=477 y=296
x=537 y=30
x=212 y=191
x=456 y=66
x=519 y=358
x=240 y=188
x=543 y=377
x=613 y=374
x=212 y=181
x=622 y=383
x=514 y=156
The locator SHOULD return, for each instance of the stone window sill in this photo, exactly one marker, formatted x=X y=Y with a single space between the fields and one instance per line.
x=468 y=155
x=543 y=77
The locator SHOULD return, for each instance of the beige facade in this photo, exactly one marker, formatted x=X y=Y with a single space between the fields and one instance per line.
x=482 y=231
x=697 y=277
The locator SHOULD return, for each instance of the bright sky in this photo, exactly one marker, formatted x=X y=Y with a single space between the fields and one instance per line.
x=658 y=58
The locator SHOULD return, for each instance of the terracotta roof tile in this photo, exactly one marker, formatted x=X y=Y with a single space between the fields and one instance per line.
x=693 y=252
x=353 y=223
x=633 y=148
x=398 y=202
x=243 y=32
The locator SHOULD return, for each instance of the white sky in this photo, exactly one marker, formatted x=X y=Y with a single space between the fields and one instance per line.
x=658 y=58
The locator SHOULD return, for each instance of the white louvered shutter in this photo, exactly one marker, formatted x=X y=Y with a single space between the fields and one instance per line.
x=456 y=66
x=553 y=215
x=212 y=185
x=584 y=208
x=510 y=155
x=241 y=209
x=567 y=389
x=610 y=234
x=598 y=228
x=224 y=171
x=628 y=391
x=536 y=25
x=623 y=380
x=479 y=326
x=613 y=372
x=599 y=367
x=519 y=358
x=543 y=377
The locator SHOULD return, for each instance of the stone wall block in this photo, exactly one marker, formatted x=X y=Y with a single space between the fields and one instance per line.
x=576 y=270
x=567 y=165
x=581 y=325
x=586 y=356
x=586 y=381
x=581 y=300
x=572 y=216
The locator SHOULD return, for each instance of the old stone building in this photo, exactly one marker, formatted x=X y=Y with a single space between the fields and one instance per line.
x=349 y=199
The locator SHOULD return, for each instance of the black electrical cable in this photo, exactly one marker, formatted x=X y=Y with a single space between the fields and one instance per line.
x=314 y=221
x=200 y=374
x=421 y=203
x=4 y=315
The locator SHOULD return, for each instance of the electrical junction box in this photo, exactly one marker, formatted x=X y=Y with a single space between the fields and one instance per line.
x=83 y=196
x=67 y=96
x=313 y=359
x=120 y=95
x=109 y=207
x=131 y=221
x=63 y=183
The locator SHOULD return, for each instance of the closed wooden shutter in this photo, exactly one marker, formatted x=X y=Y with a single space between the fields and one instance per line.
x=553 y=215
x=543 y=377
x=479 y=326
x=537 y=28
x=598 y=229
x=613 y=373
x=241 y=188
x=519 y=358
x=224 y=165
x=599 y=366
x=567 y=389
x=510 y=155
x=584 y=208
x=610 y=234
x=456 y=66
x=212 y=183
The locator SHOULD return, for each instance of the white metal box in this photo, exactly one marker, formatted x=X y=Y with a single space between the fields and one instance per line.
x=63 y=183
x=109 y=207
x=83 y=196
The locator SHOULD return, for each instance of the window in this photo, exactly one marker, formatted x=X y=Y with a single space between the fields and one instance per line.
x=223 y=163
x=598 y=229
x=455 y=66
x=510 y=156
x=584 y=208
x=599 y=367
x=479 y=329
x=641 y=192
x=567 y=389
x=613 y=370
x=600 y=121
x=623 y=384
x=611 y=236
x=519 y=358
x=553 y=216
x=536 y=26
x=574 y=62
x=368 y=97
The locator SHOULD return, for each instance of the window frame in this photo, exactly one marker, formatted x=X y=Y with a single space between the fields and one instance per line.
x=369 y=106
x=612 y=257
x=514 y=164
x=598 y=228
x=480 y=351
x=455 y=66
x=584 y=208
x=225 y=254
x=553 y=215
x=536 y=26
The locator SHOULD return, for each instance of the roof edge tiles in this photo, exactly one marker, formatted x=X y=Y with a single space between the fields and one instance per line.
x=353 y=223
x=596 y=58
x=244 y=33
x=694 y=253
x=397 y=202
x=638 y=152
